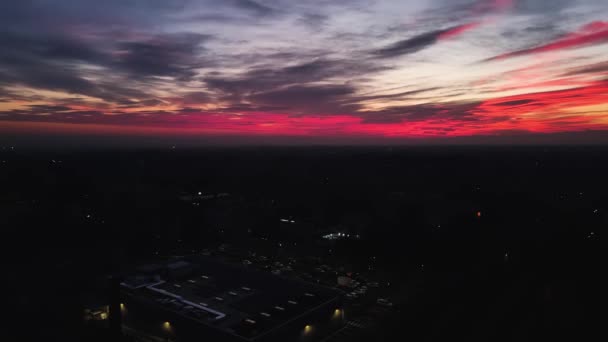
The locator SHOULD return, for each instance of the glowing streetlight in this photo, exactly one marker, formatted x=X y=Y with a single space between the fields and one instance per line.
x=308 y=329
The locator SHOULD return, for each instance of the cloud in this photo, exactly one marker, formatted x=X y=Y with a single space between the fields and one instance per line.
x=591 y=34
x=254 y=7
x=195 y=98
x=449 y=112
x=548 y=106
x=297 y=80
x=597 y=68
x=458 y=30
x=319 y=99
x=58 y=63
x=515 y=102
x=400 y=95
x=253 y=66
x=411 y=45
x=541 y=7
x=423 y=41
x=175 y=55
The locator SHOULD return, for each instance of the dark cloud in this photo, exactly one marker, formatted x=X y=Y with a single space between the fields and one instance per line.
x=515 y=103
x=60 y=15
x=601 y=68
x=54 y=63
x=411 y=45
x=400 y=95
x=195 y=98
x=252 y=83
x=594 y=33
x=542 y=7
x=314 y=21
x=242 y=108
x=454 y=112
x=175 y=55
x=318 y=99
x=19 y=46
x=254 y=7
x=49 y=108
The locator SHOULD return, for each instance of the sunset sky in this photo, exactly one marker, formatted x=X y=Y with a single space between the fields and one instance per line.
x=316 y=69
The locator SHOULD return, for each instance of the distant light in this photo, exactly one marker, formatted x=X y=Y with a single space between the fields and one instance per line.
x=308 y=329
x=167 y=325
x=479 y=214
x=200 y=193
x=103 y=316
x=122 y=306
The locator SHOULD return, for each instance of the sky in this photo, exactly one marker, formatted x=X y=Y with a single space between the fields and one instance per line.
x=305 y=71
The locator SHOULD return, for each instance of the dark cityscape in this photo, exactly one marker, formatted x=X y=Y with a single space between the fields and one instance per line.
x=431 y=243
x=323 y=170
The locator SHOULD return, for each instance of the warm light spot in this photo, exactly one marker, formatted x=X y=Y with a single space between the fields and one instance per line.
x=122 y=306
x=337 y=313
x=479 y=214
x=308 y=329
x=167 y=326
x=103 y=316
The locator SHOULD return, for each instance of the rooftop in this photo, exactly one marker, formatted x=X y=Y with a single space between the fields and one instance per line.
x=233 y=298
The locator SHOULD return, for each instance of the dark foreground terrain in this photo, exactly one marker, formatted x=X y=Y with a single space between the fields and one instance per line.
x=476 y=244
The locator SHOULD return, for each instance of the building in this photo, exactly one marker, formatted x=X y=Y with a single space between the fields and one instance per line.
x=203 y=298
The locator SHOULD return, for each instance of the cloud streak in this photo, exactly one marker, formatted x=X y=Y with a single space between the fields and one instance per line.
x=423 y=41
x=591 y=34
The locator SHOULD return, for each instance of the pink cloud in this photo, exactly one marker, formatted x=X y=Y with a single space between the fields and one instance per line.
x=590 y=34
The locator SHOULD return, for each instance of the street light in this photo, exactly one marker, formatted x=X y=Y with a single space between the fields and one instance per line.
x=168 y=329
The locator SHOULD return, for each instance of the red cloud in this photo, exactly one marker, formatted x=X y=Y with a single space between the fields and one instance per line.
x=590 y=34
x=457 y=31
x=546 y=112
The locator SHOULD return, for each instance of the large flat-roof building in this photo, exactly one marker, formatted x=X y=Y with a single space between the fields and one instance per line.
x=202 y=297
